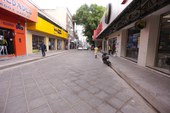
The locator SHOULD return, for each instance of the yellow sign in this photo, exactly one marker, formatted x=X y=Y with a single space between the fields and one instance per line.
x=47 y=27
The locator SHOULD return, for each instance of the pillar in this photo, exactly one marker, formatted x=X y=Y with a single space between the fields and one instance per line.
x=148 y=42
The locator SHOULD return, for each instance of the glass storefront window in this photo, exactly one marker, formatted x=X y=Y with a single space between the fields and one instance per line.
x=51 y=44
x=36 y=41
x=59 y=44
x=132 y=47
x=164 y=42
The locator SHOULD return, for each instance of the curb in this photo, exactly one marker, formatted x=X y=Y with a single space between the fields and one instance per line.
x=27 y=61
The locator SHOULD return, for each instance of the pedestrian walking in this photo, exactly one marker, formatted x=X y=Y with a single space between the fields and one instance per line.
x=96 y=51
x=43 y=48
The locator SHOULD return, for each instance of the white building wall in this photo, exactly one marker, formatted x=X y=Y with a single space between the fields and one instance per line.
x=59 y=14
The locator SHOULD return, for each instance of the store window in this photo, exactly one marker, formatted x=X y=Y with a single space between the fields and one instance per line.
x=51 y=44
x=133 y=43
x=36 y=41
x=59 y=44
x=164 y=43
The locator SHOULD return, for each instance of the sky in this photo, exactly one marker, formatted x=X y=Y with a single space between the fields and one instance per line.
x=72 y=5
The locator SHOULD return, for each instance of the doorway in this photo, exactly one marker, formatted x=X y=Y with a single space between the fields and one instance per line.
x=6 y=41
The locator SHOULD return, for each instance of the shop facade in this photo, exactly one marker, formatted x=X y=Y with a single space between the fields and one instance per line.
x=141 y=37
x=47 y=31
x=14 y=15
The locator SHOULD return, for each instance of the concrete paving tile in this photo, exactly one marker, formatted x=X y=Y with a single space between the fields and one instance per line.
x=94 y=101
x=65 y=93
x=36 y=103
x=48 y=90
x=93 y=89
x=72 y=99
x=110 y=91
x=16 y=91
x=105 y=108
x=28 y=81
x=33 y=93
x=19 y=106
x=102 y=95
x=5 y=78
x=52 y=98
x=60 y=106
x=16 y=82
x=82 y=107
x=77 y=89
x=41 y=109
x=124 y=96
x=116 y=103
x=2 y=103
x=131 y=109
x=16 y=98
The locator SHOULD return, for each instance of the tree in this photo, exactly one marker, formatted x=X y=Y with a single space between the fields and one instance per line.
x=89 y=18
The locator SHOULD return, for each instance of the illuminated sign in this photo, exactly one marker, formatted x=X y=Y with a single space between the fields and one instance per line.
x=97 y=31
x=108 y=13
x=124 y=1
x=21 y=7
x=57 y=31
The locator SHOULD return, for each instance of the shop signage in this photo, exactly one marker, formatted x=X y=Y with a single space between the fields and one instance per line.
x=57 y=30
x=124 y=1
x=7 y=24
x=18 y=26
x=97 y=31
x=20 y=7
x=99 y=28
x=108 y=13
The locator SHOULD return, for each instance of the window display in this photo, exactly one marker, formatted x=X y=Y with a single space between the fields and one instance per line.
x=164 y=43
x=133 y=43
x=36 y=41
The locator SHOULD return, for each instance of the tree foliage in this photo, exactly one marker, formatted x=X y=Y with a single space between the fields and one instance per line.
x=89 y=17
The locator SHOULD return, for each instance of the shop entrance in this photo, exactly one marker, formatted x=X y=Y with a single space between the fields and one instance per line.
x=6 y=42
x=132 y=47
x=163 y=53
x=112 y=46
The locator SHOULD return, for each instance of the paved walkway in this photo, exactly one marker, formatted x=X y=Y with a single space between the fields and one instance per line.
x=73 y=82
x=152 y=85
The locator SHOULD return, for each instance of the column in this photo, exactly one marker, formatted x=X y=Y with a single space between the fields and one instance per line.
x=46 y=42
x=148 y=42
x=123 y=43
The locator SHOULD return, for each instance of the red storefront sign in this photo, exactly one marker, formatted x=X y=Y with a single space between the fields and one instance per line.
x=97 y=31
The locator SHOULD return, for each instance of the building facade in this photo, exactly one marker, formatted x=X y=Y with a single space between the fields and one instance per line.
x=64 y=17
x=138 y=31
x=47 y=31
x=13 y=18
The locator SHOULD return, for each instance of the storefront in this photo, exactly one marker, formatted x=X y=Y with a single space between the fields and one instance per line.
x=132 y=47
x=163 y=52
x=47 y=31
x=12 y=26
x=112 y=46
x=51 y=44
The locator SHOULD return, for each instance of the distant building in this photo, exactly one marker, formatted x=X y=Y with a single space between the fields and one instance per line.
x=64 y=18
